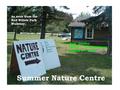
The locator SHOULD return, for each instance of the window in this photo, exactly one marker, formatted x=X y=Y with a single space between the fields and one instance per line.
x=89 y=33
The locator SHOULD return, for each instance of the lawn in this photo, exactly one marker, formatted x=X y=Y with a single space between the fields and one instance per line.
x=76 y=59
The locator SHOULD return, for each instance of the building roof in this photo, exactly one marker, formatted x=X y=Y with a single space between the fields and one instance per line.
x=76 y=24
x=97 y=19
x=89 y=19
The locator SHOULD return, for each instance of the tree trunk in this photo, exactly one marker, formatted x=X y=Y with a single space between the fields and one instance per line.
x=52 y=33
x=109 y=50
x=15 y=34
x=43 y=23
x=109 y=15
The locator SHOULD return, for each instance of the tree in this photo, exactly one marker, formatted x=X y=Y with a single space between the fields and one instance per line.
x=106 y=13
x=51 y=14
x=83 y=16
x=12 y=9
x=46 y=15
x=19 y=11
x=45 y=10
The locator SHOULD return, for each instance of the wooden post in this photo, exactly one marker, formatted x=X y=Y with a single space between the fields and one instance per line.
x=14 y=64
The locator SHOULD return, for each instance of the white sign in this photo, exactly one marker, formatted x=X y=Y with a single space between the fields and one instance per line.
x=29 y=58
x=50 y=55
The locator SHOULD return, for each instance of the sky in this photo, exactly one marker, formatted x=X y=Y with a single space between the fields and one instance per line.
x=76 y=10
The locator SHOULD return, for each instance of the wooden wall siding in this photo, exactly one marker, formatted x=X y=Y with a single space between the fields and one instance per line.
x=101 y=35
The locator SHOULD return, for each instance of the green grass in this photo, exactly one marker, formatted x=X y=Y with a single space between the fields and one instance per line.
x=82 y=62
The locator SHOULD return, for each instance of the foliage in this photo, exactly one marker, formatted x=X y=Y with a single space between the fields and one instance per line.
x=106 y=19
x=83 y=16
x=55 y=18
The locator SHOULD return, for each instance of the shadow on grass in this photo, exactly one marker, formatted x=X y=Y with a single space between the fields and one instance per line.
x=11 y=78
x=88 y=64
x=86 y=59
x=78 y=43
x=76 y=65
x=85 y=43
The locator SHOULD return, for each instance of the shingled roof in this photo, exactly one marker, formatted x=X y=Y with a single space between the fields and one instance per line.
x=77 y=22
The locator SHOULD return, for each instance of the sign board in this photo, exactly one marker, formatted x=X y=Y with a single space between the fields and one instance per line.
x=50 y=55
x=78 y=33
x=29 y=58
